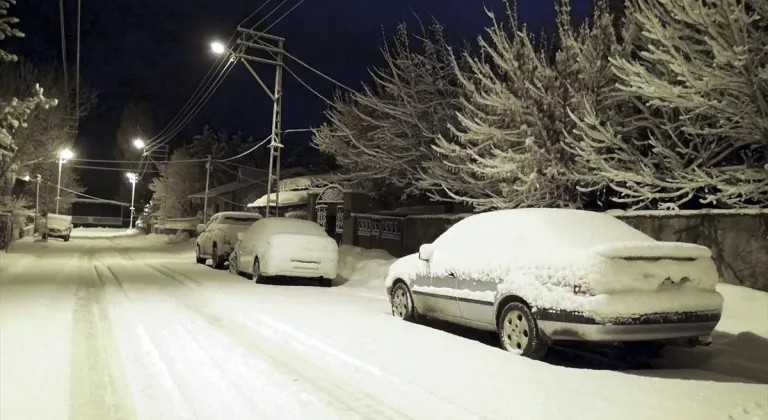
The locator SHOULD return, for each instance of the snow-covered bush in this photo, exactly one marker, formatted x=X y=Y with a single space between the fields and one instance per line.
x=515 y=113
x=385 y=133
x=179 y=178
x=696 y=119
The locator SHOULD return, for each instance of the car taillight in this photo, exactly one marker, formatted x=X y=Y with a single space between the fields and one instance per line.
x=581 y=290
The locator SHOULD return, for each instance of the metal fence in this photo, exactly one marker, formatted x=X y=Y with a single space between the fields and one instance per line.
x=374 y=231
x=99 y=221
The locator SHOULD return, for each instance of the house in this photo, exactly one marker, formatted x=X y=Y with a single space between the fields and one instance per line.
x=250 y=184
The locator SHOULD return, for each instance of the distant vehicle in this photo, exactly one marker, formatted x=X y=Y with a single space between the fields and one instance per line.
x=536 y=276
x=57 y=226
x=278 y=246
x=215 y=240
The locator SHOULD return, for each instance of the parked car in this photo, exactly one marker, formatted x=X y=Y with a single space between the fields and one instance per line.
x=215 y=240
x=278 y=246
x=57 y=226
x=536 y=276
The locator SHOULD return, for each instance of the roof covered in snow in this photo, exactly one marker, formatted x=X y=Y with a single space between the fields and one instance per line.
x=287 y=199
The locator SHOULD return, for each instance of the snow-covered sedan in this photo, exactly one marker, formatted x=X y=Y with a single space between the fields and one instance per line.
x=541 y=275
x=216 y=239
x=278 y=246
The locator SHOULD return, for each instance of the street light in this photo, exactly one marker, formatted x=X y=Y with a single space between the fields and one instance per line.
x=138 y=143
x=132 y=178
x=218 y=48
x=64 y=155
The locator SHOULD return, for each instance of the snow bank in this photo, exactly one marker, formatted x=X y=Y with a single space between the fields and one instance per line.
x=103 y=232
x=740 y=343
x=364 y=267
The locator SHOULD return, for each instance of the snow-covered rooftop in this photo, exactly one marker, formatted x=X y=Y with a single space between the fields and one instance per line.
x=287 y=199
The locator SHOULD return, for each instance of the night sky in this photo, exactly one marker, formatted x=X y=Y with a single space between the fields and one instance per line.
x=159 y=48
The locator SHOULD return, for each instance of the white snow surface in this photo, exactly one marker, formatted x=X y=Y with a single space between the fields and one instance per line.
x=132 y=328
x=103 y=232
x=287 y=198
x=541 y=254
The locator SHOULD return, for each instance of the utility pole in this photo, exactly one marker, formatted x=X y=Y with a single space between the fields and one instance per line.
x=37 y=200
x=207 y=180
x=275 y=46
x=133 y=178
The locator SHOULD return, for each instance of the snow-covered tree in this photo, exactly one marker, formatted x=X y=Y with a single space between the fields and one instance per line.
x=178 y=179
x=14 y=112
x=509 y=146
x=697 y=125
x=384 y=134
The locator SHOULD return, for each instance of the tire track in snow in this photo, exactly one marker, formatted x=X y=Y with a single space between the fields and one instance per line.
x=344 y=394
x=98 y=389
x=346 y=399
x=157 y=395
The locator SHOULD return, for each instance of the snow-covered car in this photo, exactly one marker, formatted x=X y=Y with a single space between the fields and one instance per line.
x=278 y=246
x=57 y=226
x=541 y=275
x=216 y=239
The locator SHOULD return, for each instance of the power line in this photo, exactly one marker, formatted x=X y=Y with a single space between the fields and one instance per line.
x=287 y=54
x=182 y=124
x=77 y=67
x=81 y=194
x=63 y=46
x=247 y=151
x=102 y=168
x=284 y=14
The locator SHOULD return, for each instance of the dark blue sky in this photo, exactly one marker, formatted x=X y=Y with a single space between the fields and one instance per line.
x=160 y=48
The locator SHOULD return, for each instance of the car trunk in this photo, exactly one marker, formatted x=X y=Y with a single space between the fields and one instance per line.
x=295 y=252
x=58 y=222
x=652 y=267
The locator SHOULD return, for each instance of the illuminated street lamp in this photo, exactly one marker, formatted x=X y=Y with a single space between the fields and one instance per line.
x=218 y=48
x=64 y=155
x=138 y=143
x=132 y=178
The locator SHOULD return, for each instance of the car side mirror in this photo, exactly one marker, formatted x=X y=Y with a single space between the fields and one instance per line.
x=240 y=236
x=426 y=251
x=200 y=228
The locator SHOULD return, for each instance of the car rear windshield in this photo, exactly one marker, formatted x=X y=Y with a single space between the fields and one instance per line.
x=239 y=220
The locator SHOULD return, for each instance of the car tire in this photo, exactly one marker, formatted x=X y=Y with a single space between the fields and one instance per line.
x=402 y=303
x=519 y=333
x=197 y=256
x=257 y=271
x=216 y=261
x=324 y=282
x=66 y=238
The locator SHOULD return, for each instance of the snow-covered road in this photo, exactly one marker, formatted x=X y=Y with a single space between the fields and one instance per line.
x=131 y=328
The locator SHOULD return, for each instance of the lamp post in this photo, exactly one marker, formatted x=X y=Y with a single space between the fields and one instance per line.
x=217 y=47
x=37 y=200
x=138 y=143
x=132 y=178
x=63 y=157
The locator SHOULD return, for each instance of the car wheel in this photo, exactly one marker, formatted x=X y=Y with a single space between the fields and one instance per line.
x=233 y=264
x=66 y=238
x=519 y=332
x=256 y=271
x=325 y=282
x=402 y=303
x=197 y=256
x=216 y=260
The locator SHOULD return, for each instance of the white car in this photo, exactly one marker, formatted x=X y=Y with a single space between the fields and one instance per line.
x=57 y=226
x=215 y=240
x=541 y=275
x=278 y=246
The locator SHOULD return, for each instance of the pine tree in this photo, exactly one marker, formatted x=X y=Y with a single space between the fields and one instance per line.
x=177 y=181
x=696 y=123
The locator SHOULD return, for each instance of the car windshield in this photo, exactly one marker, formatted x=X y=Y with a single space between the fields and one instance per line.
x=239 y=220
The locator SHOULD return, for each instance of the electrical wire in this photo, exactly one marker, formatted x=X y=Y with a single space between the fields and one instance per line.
x=284 y=14
x=77 y=67
x=240 y=166
x=329 y=78
x=63 y=46
x=239 y=175
x=83 y=194
x=104 y=169
x=128 y=161
x=246 y=152
x=215 y=87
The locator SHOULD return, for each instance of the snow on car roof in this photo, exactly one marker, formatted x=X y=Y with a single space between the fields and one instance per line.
x=286 y=225
x=238 y=214
x=550 y=230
